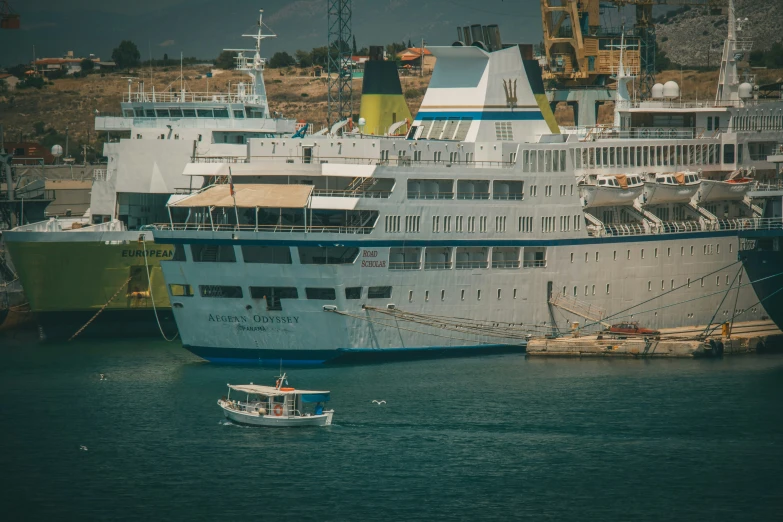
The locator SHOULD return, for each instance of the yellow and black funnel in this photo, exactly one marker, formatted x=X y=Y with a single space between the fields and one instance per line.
x=382 y=101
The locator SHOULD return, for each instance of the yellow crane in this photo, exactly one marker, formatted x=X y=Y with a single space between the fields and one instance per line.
x=579 y=52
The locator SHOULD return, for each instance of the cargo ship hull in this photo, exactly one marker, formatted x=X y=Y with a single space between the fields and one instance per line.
x=69 y=277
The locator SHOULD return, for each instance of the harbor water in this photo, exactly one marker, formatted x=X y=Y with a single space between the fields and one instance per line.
x=489 y=438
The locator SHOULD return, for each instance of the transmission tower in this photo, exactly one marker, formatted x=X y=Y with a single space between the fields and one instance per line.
x=339 y=73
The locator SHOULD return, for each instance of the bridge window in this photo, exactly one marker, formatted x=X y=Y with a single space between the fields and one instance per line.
x=180 y=290
x=273 y=295
x=224 y=292
x=321 y=294
x=213 y=253
x=354 y=292
x=379 y=292
x=266 y=255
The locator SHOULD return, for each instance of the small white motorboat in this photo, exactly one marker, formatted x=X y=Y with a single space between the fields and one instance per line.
x=611 y=190
x=278 y=405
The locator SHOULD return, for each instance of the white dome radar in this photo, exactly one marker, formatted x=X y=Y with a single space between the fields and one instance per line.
x=746 y=91
x=657 y=91
x=671 y=90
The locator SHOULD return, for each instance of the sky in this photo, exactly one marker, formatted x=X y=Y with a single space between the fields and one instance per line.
x=202 y=28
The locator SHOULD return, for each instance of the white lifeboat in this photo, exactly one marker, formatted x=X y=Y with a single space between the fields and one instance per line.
x=732 y=189
x=670 y=187
x=611 y=190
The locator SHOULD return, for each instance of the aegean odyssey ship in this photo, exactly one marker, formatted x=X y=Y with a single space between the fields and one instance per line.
x=484 y=224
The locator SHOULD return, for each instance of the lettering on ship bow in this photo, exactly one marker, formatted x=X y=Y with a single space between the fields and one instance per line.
x=150 y=253
x=369 y=259
x=258 y=323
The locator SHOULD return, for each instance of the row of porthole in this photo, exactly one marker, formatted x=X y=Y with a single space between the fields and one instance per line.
x=462 y=295
x=707 y=251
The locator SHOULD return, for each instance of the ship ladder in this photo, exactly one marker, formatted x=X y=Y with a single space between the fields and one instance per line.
x=94 y=317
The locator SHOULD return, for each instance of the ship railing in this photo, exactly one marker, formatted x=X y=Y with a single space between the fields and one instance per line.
x=505 y=264
x=673 y=227
x=375 y=194
x=221 y=159
x=430 y=195
x=405 y=161
x=765 y=187
x=99 y=174
x=534 y=263
x=624 y=229
x=466 y=265
x=472 y=195
x=517 y=196
x=191 y=97
x=404 y=265
x=750 y=224
x=603 y=132
x=310 y=229
x=441 y=265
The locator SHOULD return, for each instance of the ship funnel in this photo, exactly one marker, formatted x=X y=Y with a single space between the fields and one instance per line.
x=383 y=103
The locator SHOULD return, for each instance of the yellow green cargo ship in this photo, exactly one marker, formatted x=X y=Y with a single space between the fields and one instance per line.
x=71 y=276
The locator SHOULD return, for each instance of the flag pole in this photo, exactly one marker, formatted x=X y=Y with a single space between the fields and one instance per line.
x=233 y=196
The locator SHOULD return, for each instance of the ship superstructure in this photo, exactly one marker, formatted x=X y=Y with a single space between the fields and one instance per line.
x=72 y=268
x=482 y=226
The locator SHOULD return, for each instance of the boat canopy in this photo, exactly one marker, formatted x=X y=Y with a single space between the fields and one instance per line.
x=271 y=391
x=249 y=196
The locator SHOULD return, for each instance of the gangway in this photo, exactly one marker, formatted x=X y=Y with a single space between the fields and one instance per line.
x=589 y=311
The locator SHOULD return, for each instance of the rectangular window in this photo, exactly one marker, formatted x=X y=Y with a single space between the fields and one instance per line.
x=328 y=255
x=226 y=292
x=607 y=288
x=273 y=295
x=266 y=255
x=379 y=292
x=213 y=253
x=320 y=294
x=180 y=290
x=354 y=292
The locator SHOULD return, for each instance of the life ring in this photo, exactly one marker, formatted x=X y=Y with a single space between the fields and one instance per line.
x=278 y=410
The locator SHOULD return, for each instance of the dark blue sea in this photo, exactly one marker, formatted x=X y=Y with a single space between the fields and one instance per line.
x=489 y=438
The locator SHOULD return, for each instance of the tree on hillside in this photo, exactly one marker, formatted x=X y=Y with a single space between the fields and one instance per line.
x=226 y=60
x=87 y=65
x=126 y=55
x=320 y=56
x=281 y=59
x=165 y=59
x=354 y=50
x=304 y=58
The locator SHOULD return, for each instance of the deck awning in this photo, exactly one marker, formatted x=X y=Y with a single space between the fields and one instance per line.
x=271 y=391
x=249 y=196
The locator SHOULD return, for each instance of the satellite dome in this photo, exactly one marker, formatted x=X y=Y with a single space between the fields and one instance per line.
x=671 y=90
x=657 y=91
x=57 y=150
x=362 y=122
x=746 y=90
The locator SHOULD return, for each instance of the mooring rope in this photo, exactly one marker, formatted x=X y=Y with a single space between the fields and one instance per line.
x=94 y=317
x=152 y=296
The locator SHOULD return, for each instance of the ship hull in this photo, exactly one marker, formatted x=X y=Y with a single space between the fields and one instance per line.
x=764 y=269
x=418 y=316
x=70 y=276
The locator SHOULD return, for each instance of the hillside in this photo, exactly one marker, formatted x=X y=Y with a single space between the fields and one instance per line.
x=71 y=102
x=695 y=38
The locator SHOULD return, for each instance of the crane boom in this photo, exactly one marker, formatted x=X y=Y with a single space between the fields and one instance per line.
x=579 y=52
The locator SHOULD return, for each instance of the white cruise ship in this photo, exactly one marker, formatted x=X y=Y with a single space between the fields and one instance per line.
x=482 y=226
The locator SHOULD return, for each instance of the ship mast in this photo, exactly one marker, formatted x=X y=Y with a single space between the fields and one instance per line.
x=254 y=67
x=734 y=49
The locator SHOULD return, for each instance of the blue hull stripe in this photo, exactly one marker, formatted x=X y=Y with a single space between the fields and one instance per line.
x=341 y=356
x=444 y=242
x=519 y=114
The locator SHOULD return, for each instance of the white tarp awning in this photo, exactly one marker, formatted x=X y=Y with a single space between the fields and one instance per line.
x=271 y=391
x=249 y=196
